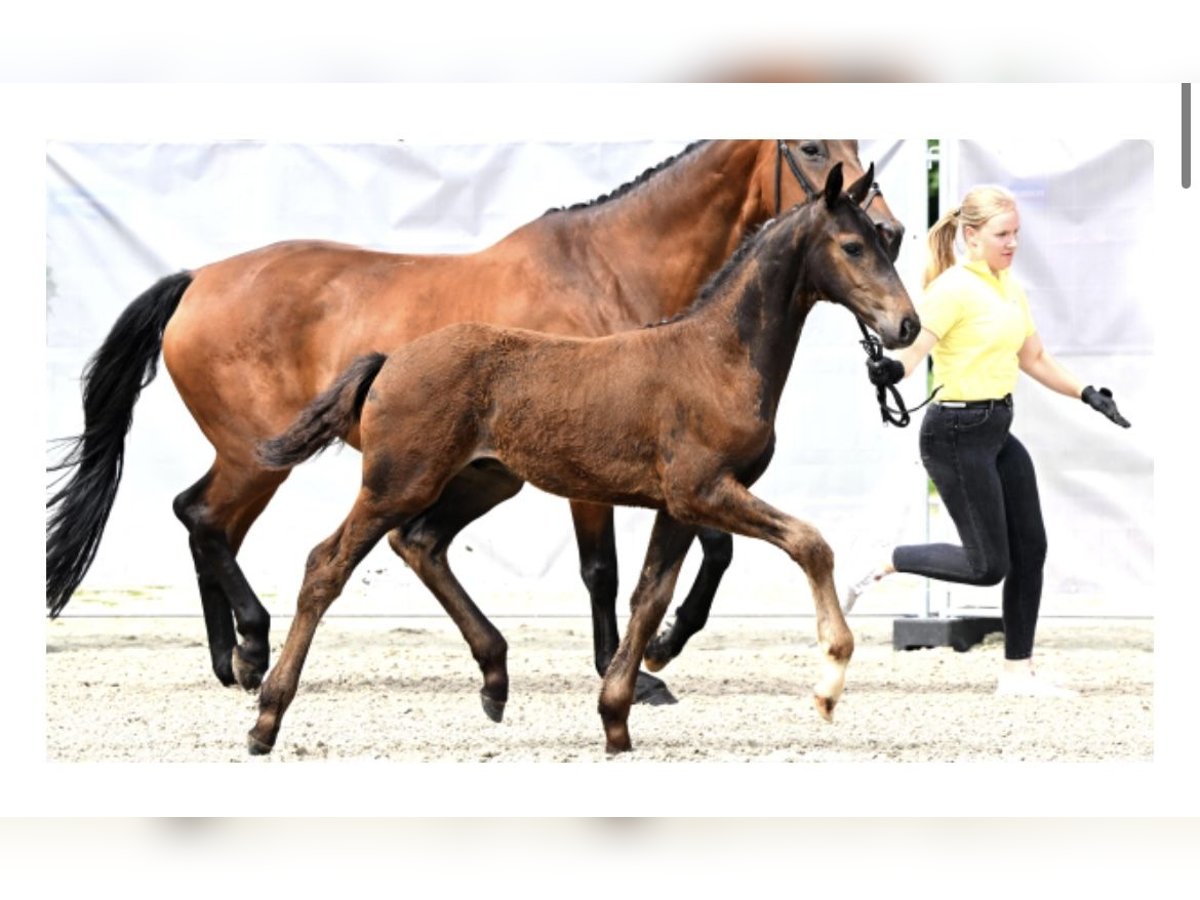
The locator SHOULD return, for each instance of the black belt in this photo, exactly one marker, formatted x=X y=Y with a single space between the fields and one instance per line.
x=1006 y=400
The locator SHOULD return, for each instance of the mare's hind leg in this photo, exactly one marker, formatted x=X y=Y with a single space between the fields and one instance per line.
x=594 y=535
x=729 y=506
x=422 y=543
x=218 y=510
x=669 y=544
x=329 y=567
x=692 y=614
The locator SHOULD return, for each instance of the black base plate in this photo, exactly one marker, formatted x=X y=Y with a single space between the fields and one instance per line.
x=960 y=632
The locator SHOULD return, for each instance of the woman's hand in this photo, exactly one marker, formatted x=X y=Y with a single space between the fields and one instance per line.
x=1102 y=402
x=884 y=372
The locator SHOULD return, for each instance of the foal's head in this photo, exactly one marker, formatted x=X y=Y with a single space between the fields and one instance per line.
x=847 y=262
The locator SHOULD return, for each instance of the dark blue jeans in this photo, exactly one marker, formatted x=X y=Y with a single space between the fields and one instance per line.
x=987 y=482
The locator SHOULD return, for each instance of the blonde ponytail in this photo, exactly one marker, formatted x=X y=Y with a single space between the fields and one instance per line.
x=941 y=245
x=980 y=204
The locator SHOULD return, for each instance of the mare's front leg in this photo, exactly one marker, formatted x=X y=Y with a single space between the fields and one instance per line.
x=329 y=567
x=669 y=544
x=729 y=506
x=692 y=614
x=595 y=537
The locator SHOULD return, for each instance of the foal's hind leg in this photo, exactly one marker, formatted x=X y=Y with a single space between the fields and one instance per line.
x=218 y=510
x=595 y=537
x=329 y=567
x=669 y=543
x=692 y=614
x=729 y=506
x=422 y=543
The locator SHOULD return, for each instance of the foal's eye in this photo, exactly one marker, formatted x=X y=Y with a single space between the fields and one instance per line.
x=810 y=149
x=853 y=248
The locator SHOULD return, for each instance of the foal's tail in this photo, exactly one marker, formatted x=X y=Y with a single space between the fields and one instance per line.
x=327 y=419
x=113 y=379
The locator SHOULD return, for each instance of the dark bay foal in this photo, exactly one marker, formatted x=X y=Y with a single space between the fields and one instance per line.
x=678 y=418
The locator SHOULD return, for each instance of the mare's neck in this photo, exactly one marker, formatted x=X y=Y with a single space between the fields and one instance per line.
x=664 y=239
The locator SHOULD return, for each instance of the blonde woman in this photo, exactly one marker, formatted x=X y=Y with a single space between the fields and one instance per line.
x=976 y=324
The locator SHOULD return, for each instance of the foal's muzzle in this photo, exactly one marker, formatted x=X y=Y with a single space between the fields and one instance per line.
x=910 y=327
x=894 y=337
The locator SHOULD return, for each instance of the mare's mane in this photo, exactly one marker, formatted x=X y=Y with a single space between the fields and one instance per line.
x=749 y=245
x=630 y=185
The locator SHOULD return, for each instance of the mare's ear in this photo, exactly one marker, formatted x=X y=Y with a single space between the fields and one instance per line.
x=858 y=191
x=833 y=185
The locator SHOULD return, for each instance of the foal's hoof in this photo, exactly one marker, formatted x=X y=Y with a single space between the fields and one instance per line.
x=657 y=655
x=257 y=747
x=494 y=709
x=824 y=705
x=652 y=691
x=248 y=675
x=616 y=740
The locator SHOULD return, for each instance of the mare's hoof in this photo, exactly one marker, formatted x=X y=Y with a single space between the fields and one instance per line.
x=248 y=675
x=257 y=747
x=824 y=705
x=224 y=672
x=494 y=709
x=652 y=691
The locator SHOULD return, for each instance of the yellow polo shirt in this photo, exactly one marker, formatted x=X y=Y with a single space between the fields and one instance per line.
x=981 y=321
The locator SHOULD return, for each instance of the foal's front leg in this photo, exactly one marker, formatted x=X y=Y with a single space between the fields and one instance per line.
x=729 y=506
x=669 y=543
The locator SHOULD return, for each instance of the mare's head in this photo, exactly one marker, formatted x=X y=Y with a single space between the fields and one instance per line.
x=847 y=262
x=805 y=164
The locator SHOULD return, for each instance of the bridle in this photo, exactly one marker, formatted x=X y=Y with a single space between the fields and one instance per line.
x=898 y=415
x=783 y=154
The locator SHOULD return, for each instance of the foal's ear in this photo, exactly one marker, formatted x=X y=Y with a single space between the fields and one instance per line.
x=833 y=185
x=858 y=191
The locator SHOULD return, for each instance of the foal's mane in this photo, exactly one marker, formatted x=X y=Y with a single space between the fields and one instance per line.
x=630 y=185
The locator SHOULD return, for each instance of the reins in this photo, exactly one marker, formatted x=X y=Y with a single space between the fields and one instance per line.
x=899 y=415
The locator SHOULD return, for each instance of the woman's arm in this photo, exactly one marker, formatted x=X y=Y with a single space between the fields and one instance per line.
x=1038 y=364
x=914 y=354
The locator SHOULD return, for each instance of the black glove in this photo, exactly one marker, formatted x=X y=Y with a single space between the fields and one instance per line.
x=1102 y=402
x=884 y=372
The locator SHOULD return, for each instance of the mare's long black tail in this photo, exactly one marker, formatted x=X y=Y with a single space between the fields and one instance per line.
x=113 y=379
x=327 y=419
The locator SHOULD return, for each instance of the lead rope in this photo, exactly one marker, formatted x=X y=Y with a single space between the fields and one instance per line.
x=900 y=415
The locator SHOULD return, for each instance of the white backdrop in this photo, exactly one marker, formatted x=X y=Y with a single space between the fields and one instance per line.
x=1084 y=259
x=119 y=216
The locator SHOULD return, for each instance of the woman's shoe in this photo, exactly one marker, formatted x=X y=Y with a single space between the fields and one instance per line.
x=1030 y=684
x=854 y=591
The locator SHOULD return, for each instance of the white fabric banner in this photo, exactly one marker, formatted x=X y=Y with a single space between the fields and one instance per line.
x=121 y=215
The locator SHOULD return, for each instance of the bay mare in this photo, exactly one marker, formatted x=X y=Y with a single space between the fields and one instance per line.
x=251 y=340
x=678 y=418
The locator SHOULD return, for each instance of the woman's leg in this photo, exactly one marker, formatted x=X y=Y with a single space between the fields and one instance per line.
x=1026 y=547
x=960 y=450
